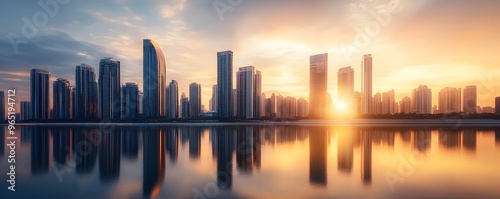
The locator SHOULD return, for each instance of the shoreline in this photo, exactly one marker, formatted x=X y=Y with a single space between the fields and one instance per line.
x=333 y=122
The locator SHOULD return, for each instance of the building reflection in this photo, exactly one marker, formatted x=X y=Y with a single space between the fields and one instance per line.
x=154 y=161
x=172 y=143
x=449 y=139
x=85 y=144
x=497 y=136
x=469 y=139
x=345 y=150
x=40 y=150
x=406 y=136
x=2 y=140
x=25 y=134
x=244 y=149
x=256 y=148
x=184 y=135
x=366 y=157
x=213 y=142
x=317 y=156
x=422 y=140
x=130 y=143
x=194 y=143
x=224 y=157
x=109 y=155
x=61 y=145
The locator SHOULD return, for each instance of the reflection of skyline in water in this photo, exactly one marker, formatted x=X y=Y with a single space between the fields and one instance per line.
x=233 y=149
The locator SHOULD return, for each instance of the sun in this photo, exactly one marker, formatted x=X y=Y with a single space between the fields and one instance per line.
x=341 y=107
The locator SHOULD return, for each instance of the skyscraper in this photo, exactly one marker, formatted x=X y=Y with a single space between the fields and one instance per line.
x=366 y=84
x=25 y=111
x=173 y=100
x=61 y=99
x=194 y=99
x=154 y=77
x=449 y=100
x=376 y=104
x=85 y=92
x=215 y=98
x=318 y=85
x=388 y=101
x=2 y=106
x=245 y=91
x=422 y=100
x=470 y=99
x=345 y=84
x=302 y=107
x=497 y=105
x=39 y=90
x=184 y=106
x=109 y=89
x=130 y=101
x=405 y=105
x=224 y=84
x=257 y=95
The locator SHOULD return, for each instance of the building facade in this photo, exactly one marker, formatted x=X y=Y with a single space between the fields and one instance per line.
x=470 y=100
x=39 y=91
x=422 y=100
x=62 y=99
x=366 y=84
x=130 y=101
x=85 y=94
x=194 y=99
x=450 y=100
x=224 y=84
x=154 y=77
x=245 y=78
x=318 y=85
x=109 y=89
x=173 y=100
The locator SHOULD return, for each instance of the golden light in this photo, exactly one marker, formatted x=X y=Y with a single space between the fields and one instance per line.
x=341 y=107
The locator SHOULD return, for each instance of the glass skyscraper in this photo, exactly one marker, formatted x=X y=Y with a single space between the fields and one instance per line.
x=154 y=77
x=61 y=99
x=173 y=100
x=39 y=90
x=194 y=99
x=367 y=77
x=130 y=101
x=318 y=85
x=224 y=84
x=85 y=95
x=109 y=89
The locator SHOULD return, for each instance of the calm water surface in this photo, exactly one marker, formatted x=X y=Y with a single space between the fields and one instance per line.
x=253 y=162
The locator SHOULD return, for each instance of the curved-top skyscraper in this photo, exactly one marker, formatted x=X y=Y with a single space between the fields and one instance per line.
x=154 y=73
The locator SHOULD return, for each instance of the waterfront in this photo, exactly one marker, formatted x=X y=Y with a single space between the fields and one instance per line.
x=254 y=161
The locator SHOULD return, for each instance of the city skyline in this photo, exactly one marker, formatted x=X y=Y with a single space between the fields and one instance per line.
x=281 y=52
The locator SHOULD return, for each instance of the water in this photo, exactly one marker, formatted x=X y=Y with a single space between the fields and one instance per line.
x=253 y=162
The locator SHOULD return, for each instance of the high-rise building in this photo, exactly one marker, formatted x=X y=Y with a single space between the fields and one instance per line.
x=388 y=101
x=497 y=105
x=173 y=100
x=184 y=106
x=366 y=84
x=61 y=99
x=376 y=104
x=85 y=96
x=245 y=91
x=194 y=99
x=225 y=84
x=470 y=99
x=257 y=95
x=154 y=77
x=234 y=104
x=130 y=101
x=318 y=85
x=214 y=98
x=356 y=101
x=141 y=97
x=109 y=89
x=2 y=106
x=302 y=107
x=40 y=94
x=345 y=84
x=25 y=111
x=422 y=100
x=450 y=100
x=290 y=107
x=405 y=105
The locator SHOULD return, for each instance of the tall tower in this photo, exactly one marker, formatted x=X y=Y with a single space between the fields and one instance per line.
x=39 y=91
x=345 y=83
x=130 y=101
x=318 y=85
x=2 y=106
x=470 y=99
x=224 y=84
x=366 y=84
x=245 y=91
x=154 y=73
x=450 y=100
x=61 y=99
x=422 y=100
x=85 y=106
x=257 y=96
x=215 y=98
x=173 y=100
x=194 y=99
x=109 y=89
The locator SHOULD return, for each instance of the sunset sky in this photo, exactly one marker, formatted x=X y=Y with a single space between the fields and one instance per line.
x=439 y=43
